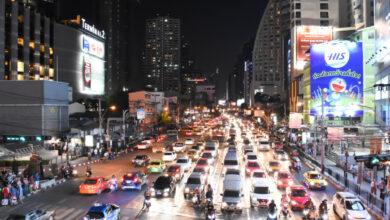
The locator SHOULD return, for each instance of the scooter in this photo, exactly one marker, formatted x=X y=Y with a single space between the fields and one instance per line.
x=210 y=215
x=272 y=215
x=195 y=200
x=309 y=213
x=113 y=186
x=147 y=204
x=323 y=215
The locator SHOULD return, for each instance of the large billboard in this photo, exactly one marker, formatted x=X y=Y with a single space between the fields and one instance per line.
x=337 y=79
x=306 y=36
x=382 y=36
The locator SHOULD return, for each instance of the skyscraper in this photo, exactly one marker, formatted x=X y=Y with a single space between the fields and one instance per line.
x=162 y=55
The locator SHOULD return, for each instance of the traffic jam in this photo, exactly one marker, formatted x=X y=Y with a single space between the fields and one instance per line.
x=222 y=168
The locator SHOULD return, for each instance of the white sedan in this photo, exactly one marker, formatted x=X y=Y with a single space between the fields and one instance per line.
x=189 y=141
x=143 y=145
x=169 y=156
x=184 y=162
x=258 y=176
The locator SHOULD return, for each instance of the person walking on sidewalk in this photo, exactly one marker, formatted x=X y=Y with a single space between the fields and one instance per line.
x=381 y=187
x=37 y=180
x=373 y=190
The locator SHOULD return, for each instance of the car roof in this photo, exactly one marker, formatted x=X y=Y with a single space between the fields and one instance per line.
x=297 y=187
x=195 y=175
x=348 y=195
x=160 y=161
x=260 y=183
x=251 y=153
x=251 y=161
x=274 y=161
x=99 y=207
x=182 y=158
x=175 y=166
x=283 y=171
x=312 y=172
x=258 y=171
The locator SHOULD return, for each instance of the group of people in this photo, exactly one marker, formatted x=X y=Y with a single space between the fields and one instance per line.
x=14 y=188
x=272 y=208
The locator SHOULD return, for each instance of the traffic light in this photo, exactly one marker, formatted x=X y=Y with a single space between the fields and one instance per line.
x=38 y=138
x=372 y=160
x=22 y=139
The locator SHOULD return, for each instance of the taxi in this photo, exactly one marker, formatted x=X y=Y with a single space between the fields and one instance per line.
x=274 y=166
x=103 y=211
x=193 y=155
x=283 y=179
x=156 y=166
x=297 y=196
x=94 y=185
x=314 y=180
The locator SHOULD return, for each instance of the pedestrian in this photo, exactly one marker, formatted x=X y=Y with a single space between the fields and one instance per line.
x=95 y=152
x=20 y=187
x=25 y=186
x=37 y=180
x=6 y=193
x=381 y=187
x=373 y=190
x=13 y=196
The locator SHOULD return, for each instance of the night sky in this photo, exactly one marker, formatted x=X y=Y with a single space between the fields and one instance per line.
x=216 y=30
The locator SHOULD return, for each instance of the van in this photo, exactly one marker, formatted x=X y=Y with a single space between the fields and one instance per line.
x=230 y=161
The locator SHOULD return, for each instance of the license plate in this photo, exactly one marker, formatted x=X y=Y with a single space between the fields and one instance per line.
x=158 y=192
x=128 y=181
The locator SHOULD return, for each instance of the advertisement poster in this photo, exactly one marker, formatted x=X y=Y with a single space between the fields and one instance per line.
x=382 y=36
x=295 y=120
x=335 y=133
x=140 y=114
x=337 y=78
x=307 y=35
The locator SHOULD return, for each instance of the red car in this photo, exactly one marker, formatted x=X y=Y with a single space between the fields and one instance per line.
x=297 y=196
x=189 y=132
x=201 y=170
x=94 y=185
x=204 y=163
x=251 y=166
x=283 y=179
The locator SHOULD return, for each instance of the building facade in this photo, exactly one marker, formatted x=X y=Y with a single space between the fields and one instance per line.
x=26 y=43
x=162 y=55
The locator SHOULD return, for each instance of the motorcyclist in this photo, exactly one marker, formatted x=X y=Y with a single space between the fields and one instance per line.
x=285 y=211
x=197 y=196
x=272 y=207
x=209 y=193
x=283 y=200
x=309 y=203
x=323 y=206
x=89 y=170
x=147 y=195
x=114 y=181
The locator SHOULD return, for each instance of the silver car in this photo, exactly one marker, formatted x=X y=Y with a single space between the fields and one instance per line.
x=195 y=181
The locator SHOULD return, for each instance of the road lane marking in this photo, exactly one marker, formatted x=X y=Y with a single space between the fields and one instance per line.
x=61 y=201
x=62 y=212
x=75 y=215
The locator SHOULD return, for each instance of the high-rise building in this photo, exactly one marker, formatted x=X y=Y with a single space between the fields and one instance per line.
x=162 y=55
x=356 y=13
x=26 y=43
x=267 y=52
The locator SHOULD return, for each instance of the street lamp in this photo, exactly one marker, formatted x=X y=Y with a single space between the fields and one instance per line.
x=112 y=108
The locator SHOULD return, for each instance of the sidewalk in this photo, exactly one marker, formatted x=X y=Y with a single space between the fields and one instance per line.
x=362 y=190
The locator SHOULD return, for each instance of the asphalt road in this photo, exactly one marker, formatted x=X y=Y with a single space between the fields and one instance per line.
x=69 y=204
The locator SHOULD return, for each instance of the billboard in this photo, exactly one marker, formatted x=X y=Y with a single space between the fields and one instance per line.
x=295 y=120
x=140 y=114
x=92 y=66
x=337 y=78
x=306 y=36
x=382 y=33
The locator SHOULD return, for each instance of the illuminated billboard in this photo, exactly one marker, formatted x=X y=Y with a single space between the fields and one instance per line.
x=337 y=78
x=382 y=36
x=306 y=36
x=92 y=66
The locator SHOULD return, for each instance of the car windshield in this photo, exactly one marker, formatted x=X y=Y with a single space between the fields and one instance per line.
x=298 y=193
x=172 y=169
x=182 y=161
x=264 y=142
x=253 y=165
x=252 y=157
x=195 y=147
x=274 y=164
x=155 y=163
x=354 y=205
x=232 y=172
x=162 y=183
x=168 y=154
x=193 y=181
x=95 y=215
x=90 y=181
x=198 y=170
x=279 y=152
x=16 y=217
x=189 y=139
x=315 y=176
x=202 y=162
x=207 y=155
x=231 y=162
x=210 y=148
x=261 y=190
x=179 y=145
x=139 y=157
x=259 y=175
x=283 y=175
x=231 y=193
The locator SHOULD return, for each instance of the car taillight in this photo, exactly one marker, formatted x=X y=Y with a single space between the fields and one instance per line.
x=129 y=174
x=122 y=179
x=136 y=180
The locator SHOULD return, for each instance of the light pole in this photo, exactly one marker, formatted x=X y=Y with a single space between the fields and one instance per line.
x=124 y=126
x=322 y=133
x=112 y=108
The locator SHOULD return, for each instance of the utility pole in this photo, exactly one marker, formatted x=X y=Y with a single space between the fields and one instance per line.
x=322 y=133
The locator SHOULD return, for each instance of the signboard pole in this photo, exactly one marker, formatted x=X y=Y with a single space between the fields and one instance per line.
x=322 y=133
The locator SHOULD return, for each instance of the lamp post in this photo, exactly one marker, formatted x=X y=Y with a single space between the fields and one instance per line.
x=322 y=133
x=112 y=108
x=124 y=125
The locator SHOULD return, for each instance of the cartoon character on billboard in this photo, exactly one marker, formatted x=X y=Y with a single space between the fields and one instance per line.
x=87 y=72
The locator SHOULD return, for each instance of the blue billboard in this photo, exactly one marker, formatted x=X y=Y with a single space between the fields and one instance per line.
x=337 y=78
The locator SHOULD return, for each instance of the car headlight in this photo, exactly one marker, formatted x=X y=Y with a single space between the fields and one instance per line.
x=74 y=172
x=224 y=204
x=290 y=182
x=187 y=190
x=177 y=175
x=312 y=183
x=248 y=170
x=280 y=182
x=368 y=217
x=152 y=190
x=350 y=216
x=293 y=202
x=239 y=205
x=325 y=183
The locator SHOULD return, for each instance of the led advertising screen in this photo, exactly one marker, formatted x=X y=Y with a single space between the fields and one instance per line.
x=382 y=36
x=92 y=66
x=306 y=36
x=337 y=78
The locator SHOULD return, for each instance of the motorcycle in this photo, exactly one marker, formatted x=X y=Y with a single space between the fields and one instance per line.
x=195 y=200
x=113 y=185
x=210 y=215
x=309 y=213
x=295 y=164
x=284 y=212
x=147 y=204
x=272 y=215
x=323 y=215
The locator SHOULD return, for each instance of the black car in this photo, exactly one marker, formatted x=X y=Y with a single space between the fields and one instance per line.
x=164 y=186
x=141 y=160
